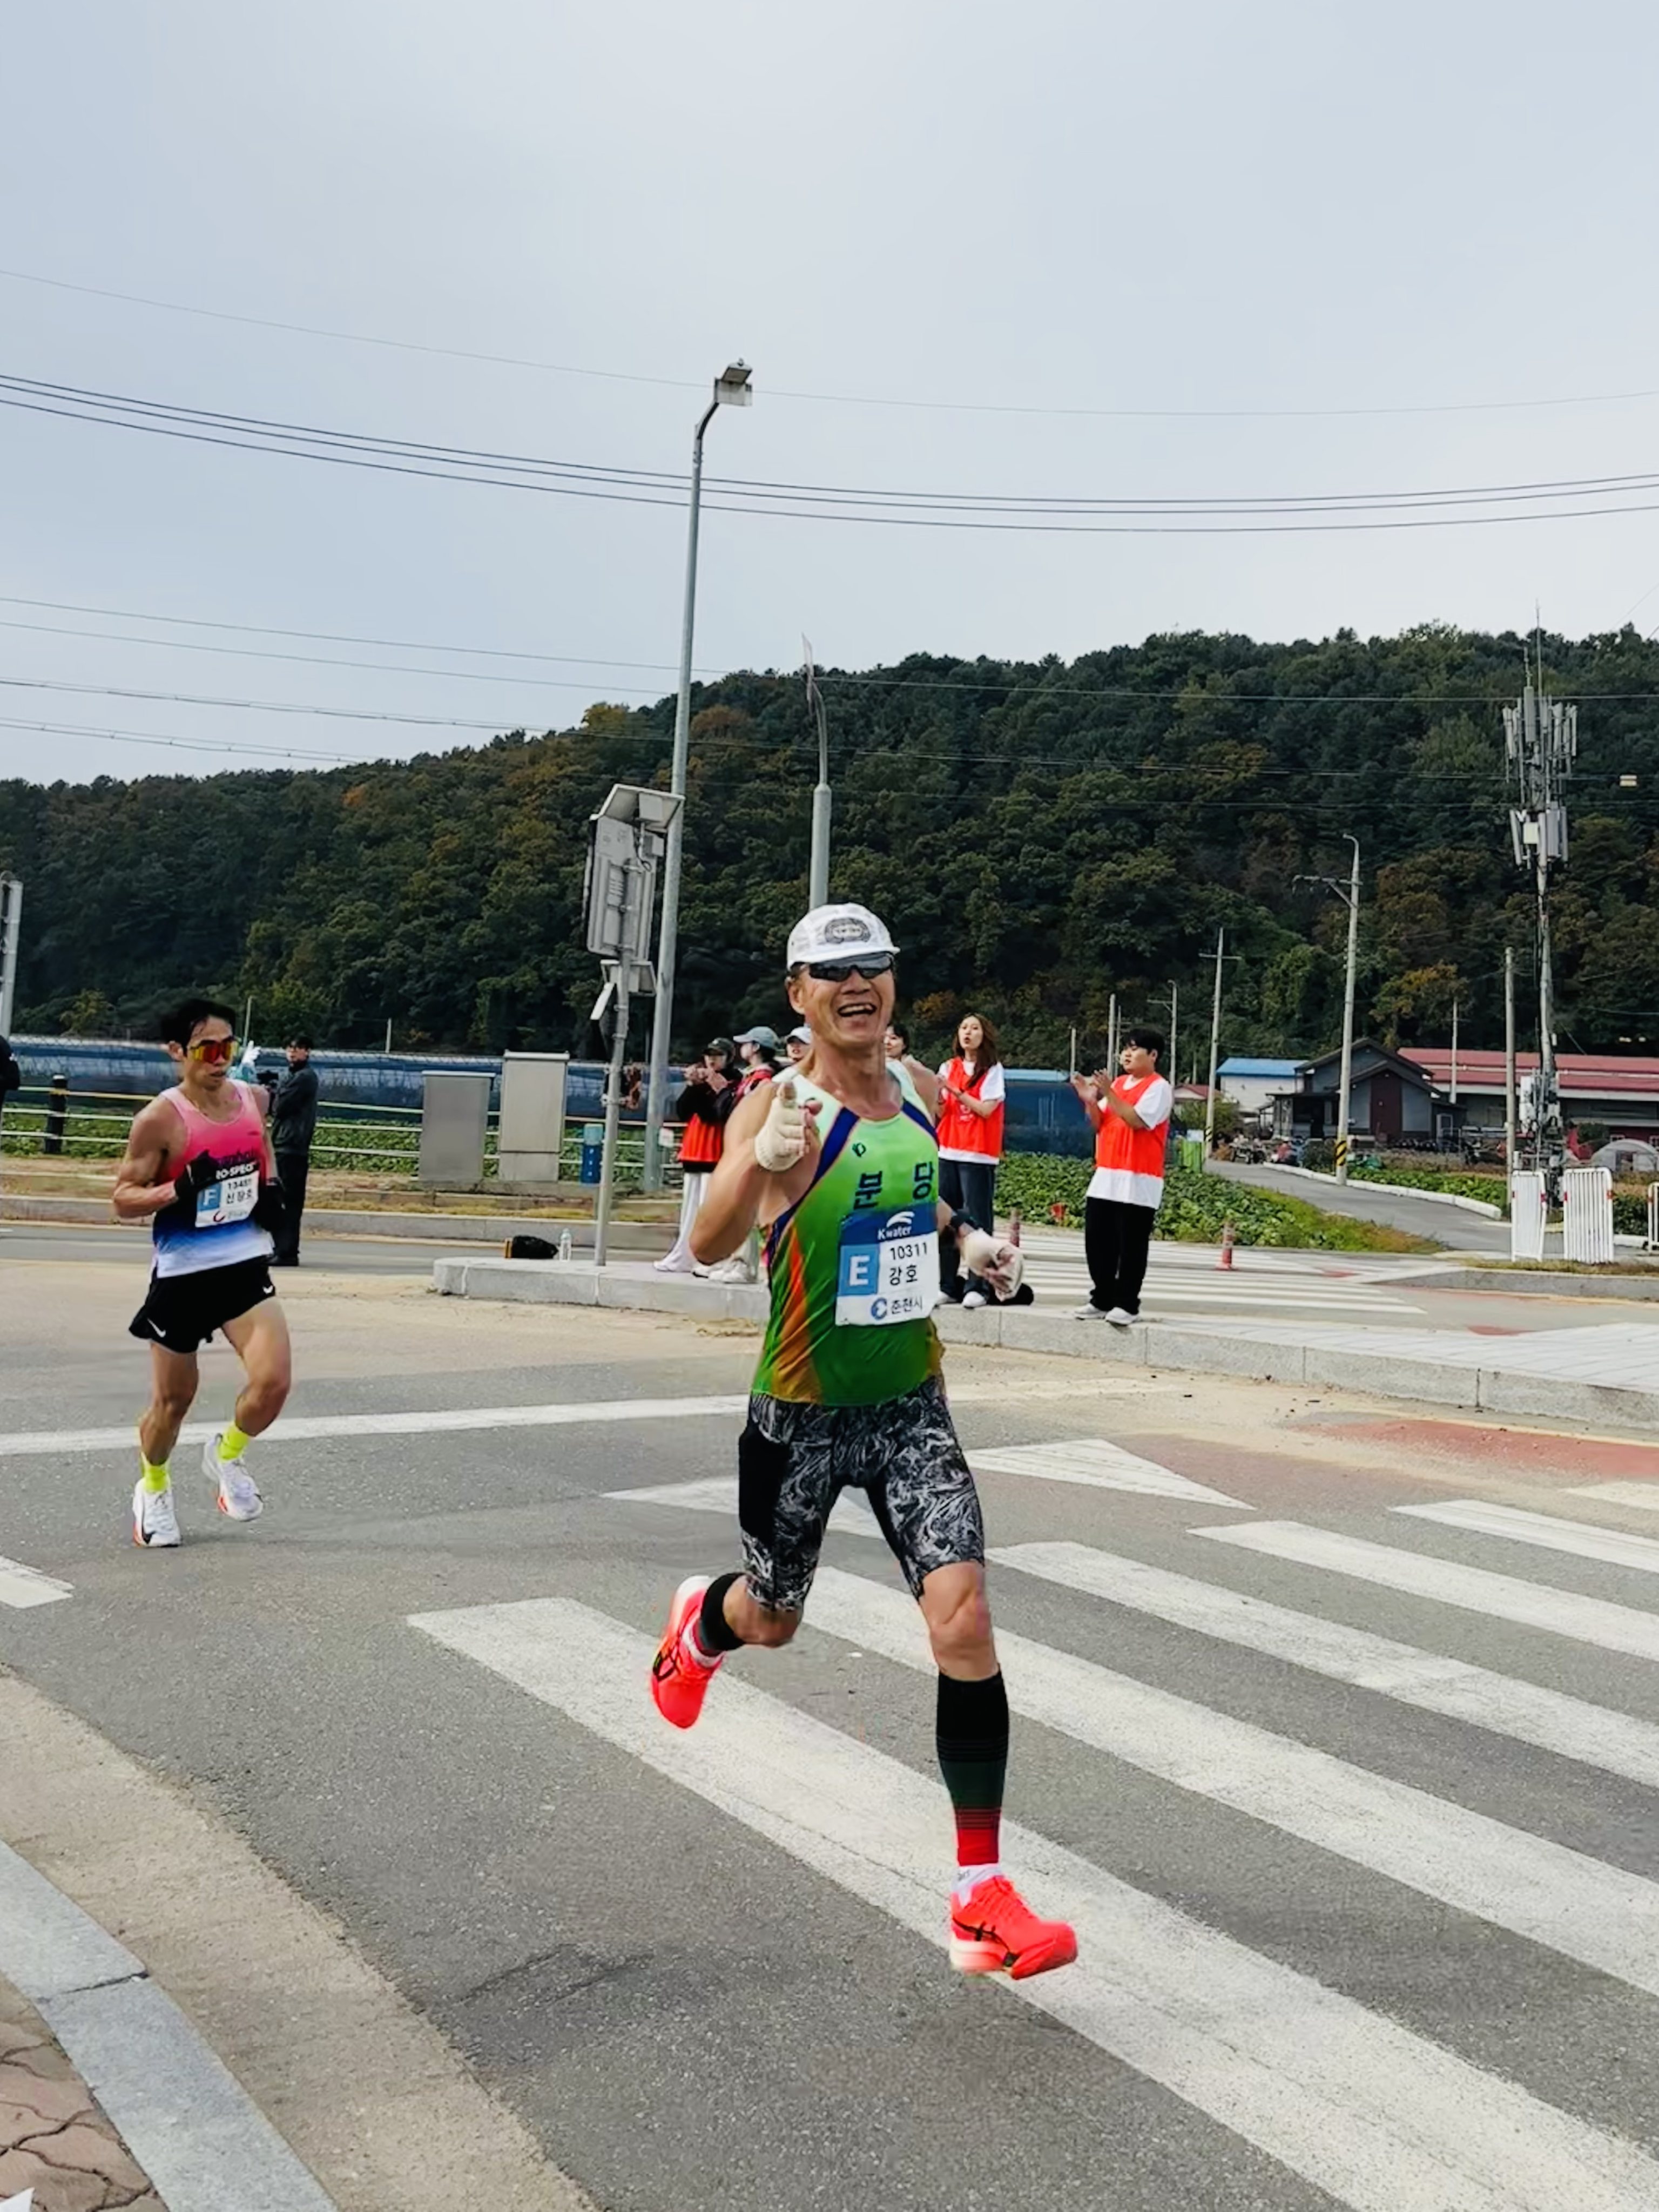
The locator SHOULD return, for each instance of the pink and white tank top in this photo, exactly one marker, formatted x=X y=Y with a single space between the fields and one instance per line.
x=214 y=1228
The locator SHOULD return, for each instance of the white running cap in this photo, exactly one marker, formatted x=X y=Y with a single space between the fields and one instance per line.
x=837 y=932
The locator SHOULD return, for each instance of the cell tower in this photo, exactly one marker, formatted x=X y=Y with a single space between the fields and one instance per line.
x=1541 y=745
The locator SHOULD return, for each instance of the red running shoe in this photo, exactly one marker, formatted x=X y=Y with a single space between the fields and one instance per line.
x=995 y=1932
x=679 y=1684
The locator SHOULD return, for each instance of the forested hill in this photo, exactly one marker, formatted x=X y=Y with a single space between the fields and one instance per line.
x=1036 y=834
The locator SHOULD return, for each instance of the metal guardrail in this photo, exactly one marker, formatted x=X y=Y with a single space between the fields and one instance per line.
x=43 y=1119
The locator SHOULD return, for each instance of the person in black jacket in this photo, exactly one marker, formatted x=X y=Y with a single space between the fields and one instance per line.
x=292 y=1124
x=11 y=1075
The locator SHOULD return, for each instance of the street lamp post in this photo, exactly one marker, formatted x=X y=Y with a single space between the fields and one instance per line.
x=732 y=389
x=1349 y=893
x=818 y=880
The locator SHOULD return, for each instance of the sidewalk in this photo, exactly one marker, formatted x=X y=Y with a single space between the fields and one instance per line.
x=1604 y=1372
x=54 y=2138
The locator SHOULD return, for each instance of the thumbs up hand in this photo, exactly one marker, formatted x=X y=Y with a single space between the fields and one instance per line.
x=782 y=1139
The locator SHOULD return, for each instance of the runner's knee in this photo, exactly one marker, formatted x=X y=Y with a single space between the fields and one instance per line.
x=959 y=1623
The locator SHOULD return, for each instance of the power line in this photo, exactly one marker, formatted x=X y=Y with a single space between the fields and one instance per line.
x=333 y=637
x=176 y=743
x=1259 y=515
x=835 y=399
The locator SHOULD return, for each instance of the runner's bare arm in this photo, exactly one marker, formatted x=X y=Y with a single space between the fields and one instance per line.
x=143 y=1184
x=739 y=1188
x=926 y=1080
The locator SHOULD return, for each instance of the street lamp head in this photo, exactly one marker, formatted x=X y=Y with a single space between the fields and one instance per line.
x=732 y=387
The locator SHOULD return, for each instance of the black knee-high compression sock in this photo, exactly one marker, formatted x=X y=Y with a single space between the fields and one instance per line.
x=973 y=1756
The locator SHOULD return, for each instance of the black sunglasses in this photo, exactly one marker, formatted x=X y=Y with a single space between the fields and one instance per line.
x=868 y=965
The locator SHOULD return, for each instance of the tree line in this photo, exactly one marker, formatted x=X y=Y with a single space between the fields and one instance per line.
x=1039 y=835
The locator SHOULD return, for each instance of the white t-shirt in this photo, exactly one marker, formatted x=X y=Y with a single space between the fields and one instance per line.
x=991 y=1092
x=1155 y=1104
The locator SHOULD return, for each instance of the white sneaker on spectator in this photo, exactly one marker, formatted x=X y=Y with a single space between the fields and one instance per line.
x=676 y=1262
x=973 y=1298
x=1122 y=1317
x=735 y=1270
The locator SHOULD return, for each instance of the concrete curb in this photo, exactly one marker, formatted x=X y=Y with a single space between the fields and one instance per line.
x=203 y=2142
x=1201 y=1349
x=1539 y=1284
x=1397 y=1189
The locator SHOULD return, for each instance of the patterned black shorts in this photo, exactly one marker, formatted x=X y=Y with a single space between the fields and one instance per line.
x=794 y=1461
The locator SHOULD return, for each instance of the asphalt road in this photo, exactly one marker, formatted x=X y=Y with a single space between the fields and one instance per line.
x=1361 y=1922
x=1452 y=1227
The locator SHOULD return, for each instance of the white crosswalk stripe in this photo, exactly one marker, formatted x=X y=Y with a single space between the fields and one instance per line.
x=1096 y=1463
x=1583 y=1539
x=1643 y=1495
x=1381 y=2118
x=1472 y=1589
x=1597 y=1914
x=22 y=1586
x=1618 y=1743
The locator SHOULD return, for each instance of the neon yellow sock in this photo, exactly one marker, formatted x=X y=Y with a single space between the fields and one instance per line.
x=232 y=1444
x=154 y=1478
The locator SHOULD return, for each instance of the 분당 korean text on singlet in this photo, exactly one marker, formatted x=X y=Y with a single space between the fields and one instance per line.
x=854 y=1264
x=216 y=1228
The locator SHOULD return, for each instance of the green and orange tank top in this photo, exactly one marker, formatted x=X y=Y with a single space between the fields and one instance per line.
x=854 y=1264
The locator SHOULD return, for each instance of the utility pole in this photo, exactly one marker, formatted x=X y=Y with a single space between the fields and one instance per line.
x=1509 y=1057
x=1540 y=744
x=11 y=936
x=817 y=881
x=1454 y=1055
x=1111 y=1033
x=732 y=389
x=1349 y=893
x=1217 y=956
x=1170 y=1066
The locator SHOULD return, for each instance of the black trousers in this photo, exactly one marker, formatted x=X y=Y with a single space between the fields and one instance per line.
x=1114 y=1241
x=292 y=1168
x=967 y=1187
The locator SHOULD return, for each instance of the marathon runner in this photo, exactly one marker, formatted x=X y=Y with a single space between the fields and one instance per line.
x=839 y=1159
x=198 y=1163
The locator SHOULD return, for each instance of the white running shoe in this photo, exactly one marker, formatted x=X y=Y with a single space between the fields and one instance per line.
x=1090 y=1313
x=972 y=1298
x=1122 y=1317
x=676 y=1262
x=731 y=1271
x=155 y=1523
x=238 y=1497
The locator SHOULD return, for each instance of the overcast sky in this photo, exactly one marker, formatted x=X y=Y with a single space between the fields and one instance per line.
x=1005 y=217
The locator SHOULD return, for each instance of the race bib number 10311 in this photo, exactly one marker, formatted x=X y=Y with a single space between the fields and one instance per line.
x=888 y=1268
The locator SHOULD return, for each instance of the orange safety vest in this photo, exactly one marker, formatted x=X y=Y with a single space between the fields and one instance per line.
x=1139 y=1150
x=702 y=1143
x=959 y=1131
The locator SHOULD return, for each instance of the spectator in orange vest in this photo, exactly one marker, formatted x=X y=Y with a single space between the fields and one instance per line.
x=971 y=1092
x=1131 y=1121
x=703 y=1106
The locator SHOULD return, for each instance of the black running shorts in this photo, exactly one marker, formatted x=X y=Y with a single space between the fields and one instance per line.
x=794 y=1461
x=182 y=1311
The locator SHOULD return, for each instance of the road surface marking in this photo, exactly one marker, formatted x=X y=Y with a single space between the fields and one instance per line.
x=1615 y=1742
x=850 y=1517
x=1382 y=2119
x=1599 y=1915
x=1643 y=1494
x=1474 y=1590
x=1582 y=1539
x=1097 y=1464
x=22 y=1586
x=430 y=1423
